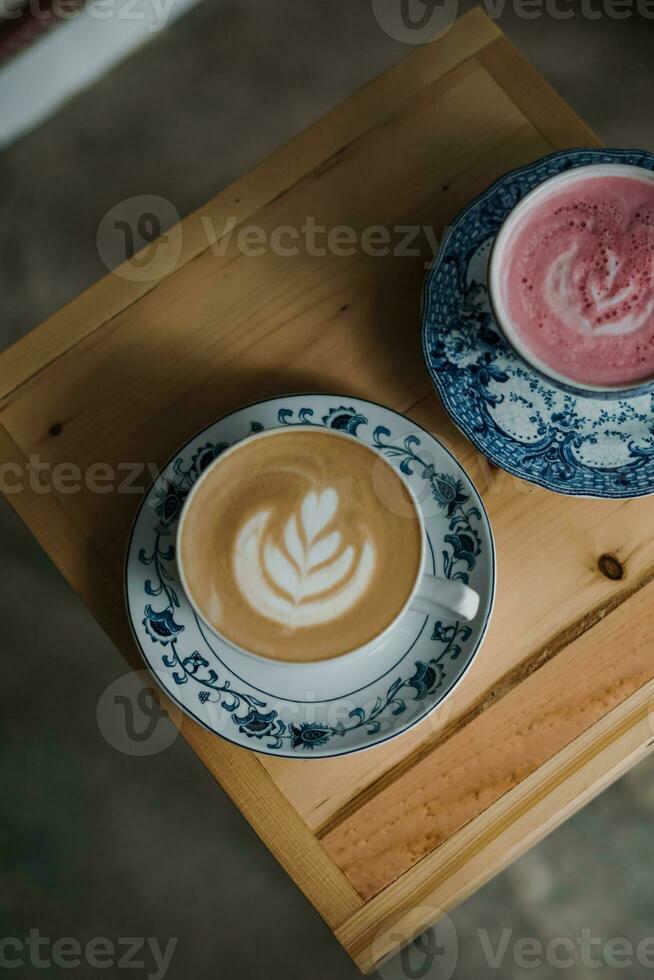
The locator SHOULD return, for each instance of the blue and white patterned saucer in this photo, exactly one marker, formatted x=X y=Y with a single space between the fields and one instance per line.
x=591 y=447
x=334 y=708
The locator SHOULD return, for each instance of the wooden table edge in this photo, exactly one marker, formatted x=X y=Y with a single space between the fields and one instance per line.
x=524 y=816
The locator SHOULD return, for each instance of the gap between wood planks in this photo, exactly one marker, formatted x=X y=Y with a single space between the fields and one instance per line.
x=507 y=683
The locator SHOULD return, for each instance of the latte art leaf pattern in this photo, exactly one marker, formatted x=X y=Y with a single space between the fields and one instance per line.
x=613 y=310
x=575 y=277
x=308 y=578
x=561 y=297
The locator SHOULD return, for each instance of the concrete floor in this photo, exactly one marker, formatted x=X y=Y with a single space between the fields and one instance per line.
x=99 y=843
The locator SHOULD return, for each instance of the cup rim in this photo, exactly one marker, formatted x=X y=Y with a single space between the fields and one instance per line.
x=309 y=665
x=566 y=383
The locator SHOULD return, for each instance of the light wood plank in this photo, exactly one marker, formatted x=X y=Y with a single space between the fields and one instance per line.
x=369 y=107
x=557 y=121
x=478 y=764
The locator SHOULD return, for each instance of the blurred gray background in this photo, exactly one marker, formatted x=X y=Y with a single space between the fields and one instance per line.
x=98 y=843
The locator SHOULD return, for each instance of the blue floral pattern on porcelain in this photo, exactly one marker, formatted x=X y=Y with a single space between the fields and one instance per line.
x=419 y=666
x=595 y=447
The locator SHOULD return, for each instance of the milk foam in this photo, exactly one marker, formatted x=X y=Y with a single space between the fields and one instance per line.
x=310 y=577
x=612 y=311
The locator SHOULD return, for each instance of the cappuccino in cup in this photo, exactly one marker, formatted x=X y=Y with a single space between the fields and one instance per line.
x=300 y=545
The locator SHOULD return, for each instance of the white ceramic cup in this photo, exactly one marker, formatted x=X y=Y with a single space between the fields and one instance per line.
x=496 y=268
x=430 y=594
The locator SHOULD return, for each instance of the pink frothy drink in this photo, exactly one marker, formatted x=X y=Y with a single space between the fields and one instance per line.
x=573 y=277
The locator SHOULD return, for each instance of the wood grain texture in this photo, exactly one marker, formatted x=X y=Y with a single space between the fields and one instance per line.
x=558 y=123
x=507 y=829
x=368 y=108
x=556 y=705
x=467 y=772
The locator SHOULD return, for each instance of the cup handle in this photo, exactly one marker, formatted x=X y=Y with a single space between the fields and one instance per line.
x=441 y=595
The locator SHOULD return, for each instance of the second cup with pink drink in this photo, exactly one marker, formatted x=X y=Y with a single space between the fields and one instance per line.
x=572 y=279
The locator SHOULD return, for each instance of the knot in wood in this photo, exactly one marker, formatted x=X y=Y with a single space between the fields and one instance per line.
x=610 y=566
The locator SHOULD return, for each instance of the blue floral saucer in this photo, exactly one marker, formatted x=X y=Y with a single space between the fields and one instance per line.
x=591 y=447
x=332 y=709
